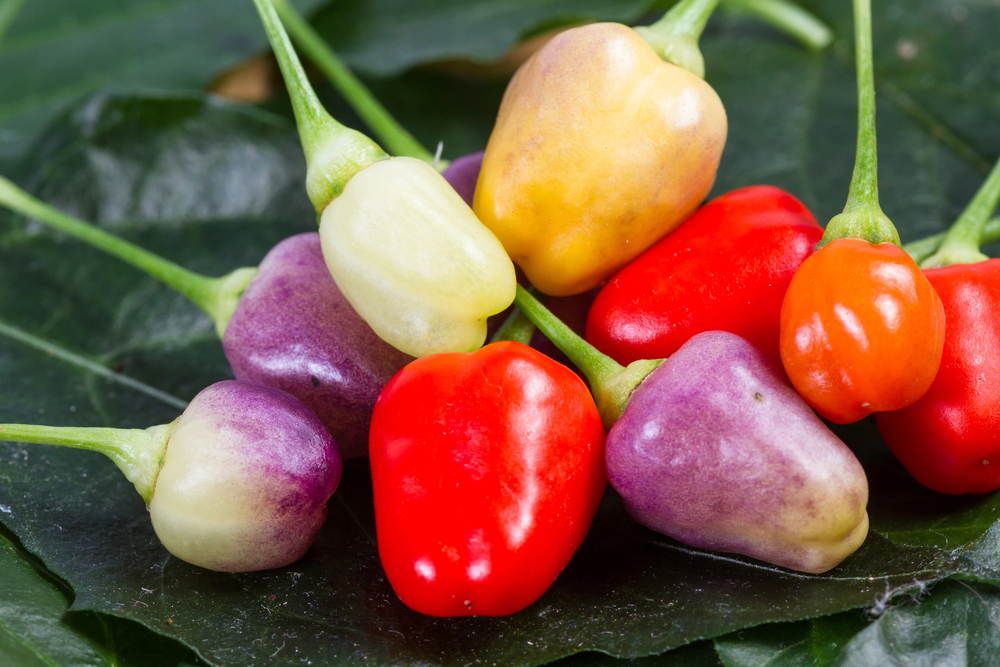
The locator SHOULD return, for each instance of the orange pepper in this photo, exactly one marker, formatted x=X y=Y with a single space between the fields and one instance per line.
x=873 y=343
x=862 y=330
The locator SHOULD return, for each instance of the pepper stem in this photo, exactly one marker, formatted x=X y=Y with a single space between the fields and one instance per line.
x=863 y=217
x=217 y=297
x=923 y=248
x=961 y=242
x=392 y=135
x=610 y=383
x=334 y=153
x=517 y=328
x=137 y=452
x=675 y=36
x=790 y=19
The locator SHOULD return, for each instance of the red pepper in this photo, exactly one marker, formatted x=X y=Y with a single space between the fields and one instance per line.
x=725 y=269
x=949 y=440
x=488 y=468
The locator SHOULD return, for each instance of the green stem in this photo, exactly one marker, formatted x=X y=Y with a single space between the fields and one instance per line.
x=790 y=19
x=334 y=153
x=961 y=242
x=923 y=248
x=675 y=36
x=863 y=217
x=137 y=452
x=217 y=297
x=610 y=383
x=517 y=328
x=391 y=134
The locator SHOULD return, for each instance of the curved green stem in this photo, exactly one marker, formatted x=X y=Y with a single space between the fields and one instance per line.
x=863 y=217
x=390 y=133
x=137 y=452
x=611 y=383
x=217 y=297
x=923 y=248
x=790 y=19
x=961 y=242
x=334 y=153
x=517 y=328
x=675 y=36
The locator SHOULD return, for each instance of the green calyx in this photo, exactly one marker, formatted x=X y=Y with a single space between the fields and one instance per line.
x=334 y=153
x=867 y=223
x=923 y=248
x=217 y=297
x=611 y=384
x=138 y=453
x=863 y=217
x=675 y=36
x=961 y=243
x=612 y=391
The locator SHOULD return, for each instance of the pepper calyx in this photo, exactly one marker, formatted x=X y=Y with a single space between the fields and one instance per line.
x=680 y=50
x=612 y=393
x=867 y=223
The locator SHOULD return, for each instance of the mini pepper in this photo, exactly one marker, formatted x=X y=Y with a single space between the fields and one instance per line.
x=406 y=251
x=600 y=148
x=862 y=330
x=948 y=439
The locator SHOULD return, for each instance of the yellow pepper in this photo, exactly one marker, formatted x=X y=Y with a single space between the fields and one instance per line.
x=600 y=148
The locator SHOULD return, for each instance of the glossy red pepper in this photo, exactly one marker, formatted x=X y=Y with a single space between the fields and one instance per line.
x=488 y=468
x=725 y=269
x=949 y=440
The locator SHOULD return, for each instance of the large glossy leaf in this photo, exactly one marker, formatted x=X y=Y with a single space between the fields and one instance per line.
x=213 y=187
x=54 y=51
x=35 y=630
x=952 y=623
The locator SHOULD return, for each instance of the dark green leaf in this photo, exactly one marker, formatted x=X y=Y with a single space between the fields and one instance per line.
x=213 y=187
x=35 y=631
x=31 y=632
x=951 y=624
x=815 y=643
x=55 y=51
x=955 y=625
x=388 y=36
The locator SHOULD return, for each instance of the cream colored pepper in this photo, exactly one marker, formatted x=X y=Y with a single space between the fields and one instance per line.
x=402 y=246
x=413 y=259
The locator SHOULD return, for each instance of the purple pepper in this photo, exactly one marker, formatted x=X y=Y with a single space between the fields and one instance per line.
x=294 y=330
x=284 y=324
x=463 y=173
x=238 y=483
x=717 y=451
x=713 y=448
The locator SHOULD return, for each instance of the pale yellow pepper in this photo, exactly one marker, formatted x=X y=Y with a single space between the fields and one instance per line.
x=403 y=247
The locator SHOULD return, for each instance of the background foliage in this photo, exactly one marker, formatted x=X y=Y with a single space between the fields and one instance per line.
x=102 y=113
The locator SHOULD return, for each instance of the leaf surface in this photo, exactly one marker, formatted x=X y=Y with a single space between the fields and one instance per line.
x=214 y=186
x=55 y=51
